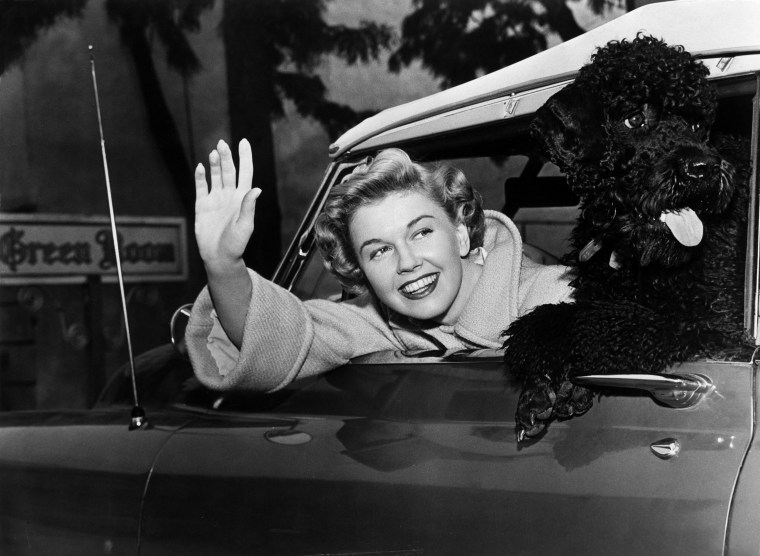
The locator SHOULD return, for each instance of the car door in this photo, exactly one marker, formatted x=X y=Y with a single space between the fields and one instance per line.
x=413 y=458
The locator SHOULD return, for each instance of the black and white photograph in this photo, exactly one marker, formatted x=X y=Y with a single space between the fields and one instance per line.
x=379 y=277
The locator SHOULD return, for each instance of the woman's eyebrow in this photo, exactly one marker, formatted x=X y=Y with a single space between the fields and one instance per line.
x=415 y=220
x=411 y=224
x=368 y=242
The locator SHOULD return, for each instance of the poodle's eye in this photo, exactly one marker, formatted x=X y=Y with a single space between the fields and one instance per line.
x=635 y=120
x=697 y=128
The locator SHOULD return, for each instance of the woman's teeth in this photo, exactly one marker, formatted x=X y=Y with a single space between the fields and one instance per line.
x=418 y=285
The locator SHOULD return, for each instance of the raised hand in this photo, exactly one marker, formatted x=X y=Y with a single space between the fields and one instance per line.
x=224 y=212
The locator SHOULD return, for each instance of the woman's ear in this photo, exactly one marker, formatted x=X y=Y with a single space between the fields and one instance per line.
x=463 y=236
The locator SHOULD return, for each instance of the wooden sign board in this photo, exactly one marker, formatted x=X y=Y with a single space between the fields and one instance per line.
x=66 y=249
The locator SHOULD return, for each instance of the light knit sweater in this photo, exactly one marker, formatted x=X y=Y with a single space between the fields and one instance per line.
x=286 y=338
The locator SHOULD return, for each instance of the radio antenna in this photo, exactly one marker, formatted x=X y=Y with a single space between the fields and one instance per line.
x=138 y=420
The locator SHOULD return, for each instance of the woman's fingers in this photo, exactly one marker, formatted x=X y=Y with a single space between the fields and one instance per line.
x=215 y=170
x=222 y=169
x=201 y=187
x=228 y=165
x=246 y=165
x=248 y=206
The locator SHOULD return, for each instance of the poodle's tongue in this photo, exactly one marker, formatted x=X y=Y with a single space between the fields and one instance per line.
x=685 y=226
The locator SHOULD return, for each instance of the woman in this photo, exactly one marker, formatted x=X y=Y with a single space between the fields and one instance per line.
x=430 y=268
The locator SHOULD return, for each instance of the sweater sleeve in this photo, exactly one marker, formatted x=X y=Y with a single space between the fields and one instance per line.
x=285 y=338
x=542 y=284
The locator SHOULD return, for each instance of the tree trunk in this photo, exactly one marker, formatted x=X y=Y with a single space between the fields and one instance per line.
x=250 y=91
x=161 y=122
x=165 y=133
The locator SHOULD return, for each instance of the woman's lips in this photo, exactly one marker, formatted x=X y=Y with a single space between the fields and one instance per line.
x=420 y=287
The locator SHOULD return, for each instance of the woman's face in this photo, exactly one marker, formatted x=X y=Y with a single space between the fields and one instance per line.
x=411 y=254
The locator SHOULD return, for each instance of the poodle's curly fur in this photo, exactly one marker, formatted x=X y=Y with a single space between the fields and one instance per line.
x=631 y=134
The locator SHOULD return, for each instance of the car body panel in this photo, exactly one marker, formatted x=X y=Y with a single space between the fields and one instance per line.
x=360 y=481
x=743 y=526
x=75 y=480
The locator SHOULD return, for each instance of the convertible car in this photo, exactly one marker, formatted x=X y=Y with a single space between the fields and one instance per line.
x=406 y=454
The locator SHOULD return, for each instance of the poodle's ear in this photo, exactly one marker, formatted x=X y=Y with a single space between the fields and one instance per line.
x=569 y=128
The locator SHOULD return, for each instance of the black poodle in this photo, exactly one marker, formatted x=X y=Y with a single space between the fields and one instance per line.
x=658 y=249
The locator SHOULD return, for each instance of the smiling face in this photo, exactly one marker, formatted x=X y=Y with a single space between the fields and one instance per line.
x=411 y=254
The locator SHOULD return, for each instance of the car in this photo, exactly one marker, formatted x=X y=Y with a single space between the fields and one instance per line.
x=406 y=454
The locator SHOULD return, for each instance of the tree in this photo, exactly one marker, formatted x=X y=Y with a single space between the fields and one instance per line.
x=169 y=21
x=458 y=40
x=22 y=22
x=138 y=21
x=272 y=49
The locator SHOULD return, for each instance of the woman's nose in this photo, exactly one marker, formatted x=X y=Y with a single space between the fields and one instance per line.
x=408 y=260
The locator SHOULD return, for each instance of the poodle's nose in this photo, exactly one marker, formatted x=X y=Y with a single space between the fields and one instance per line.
x=701 y=169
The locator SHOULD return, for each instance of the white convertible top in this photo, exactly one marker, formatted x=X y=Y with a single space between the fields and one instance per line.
x=717 y=30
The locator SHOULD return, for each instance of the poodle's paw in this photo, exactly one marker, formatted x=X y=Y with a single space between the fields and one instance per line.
x=572 y=400
x=540 y=403
x=535 y=408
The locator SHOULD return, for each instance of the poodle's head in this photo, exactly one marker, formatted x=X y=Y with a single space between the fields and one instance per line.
x=631 y=133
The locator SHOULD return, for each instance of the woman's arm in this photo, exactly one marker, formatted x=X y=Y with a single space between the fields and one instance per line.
x=223 y=226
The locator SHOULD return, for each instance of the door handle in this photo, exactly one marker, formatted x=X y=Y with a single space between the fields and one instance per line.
x=679 y=391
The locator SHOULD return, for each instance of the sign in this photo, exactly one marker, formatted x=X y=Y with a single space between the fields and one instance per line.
x=65 y=249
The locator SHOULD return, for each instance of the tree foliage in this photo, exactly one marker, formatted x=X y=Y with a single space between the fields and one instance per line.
x=139 y=21
x=22 y=22
x=292 y=37
x=167 y=21
x=459 y=40
x=272 y=51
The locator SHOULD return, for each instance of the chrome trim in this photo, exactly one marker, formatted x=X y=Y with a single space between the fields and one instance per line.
x=677 y=391
x=177 y=339
x=752 y=268
x=286 y=262
x=666 y=448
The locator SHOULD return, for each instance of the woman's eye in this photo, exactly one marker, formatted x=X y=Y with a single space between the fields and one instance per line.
x=635 y=120
x=423 y=233
x=377 y=253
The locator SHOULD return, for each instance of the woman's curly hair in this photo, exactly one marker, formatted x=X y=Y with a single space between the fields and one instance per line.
x=391 y=171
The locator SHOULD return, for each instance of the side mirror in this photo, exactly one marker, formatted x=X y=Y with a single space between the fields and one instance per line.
x=177 y=327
